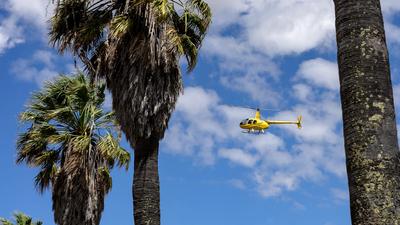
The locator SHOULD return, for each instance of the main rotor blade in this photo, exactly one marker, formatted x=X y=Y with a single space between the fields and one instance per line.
x=261 y=109
x=254 y=108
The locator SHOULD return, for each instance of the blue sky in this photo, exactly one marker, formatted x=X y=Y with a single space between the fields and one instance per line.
x=271 y=53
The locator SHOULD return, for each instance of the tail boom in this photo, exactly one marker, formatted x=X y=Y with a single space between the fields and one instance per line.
x=298 y=122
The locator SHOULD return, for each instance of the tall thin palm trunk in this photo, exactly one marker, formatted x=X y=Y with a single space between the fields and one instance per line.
x=146 y=188
x=372 y=154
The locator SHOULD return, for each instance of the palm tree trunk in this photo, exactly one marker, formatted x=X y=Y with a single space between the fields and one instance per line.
x=372 y=154
x=146 y=184
x=78 y=192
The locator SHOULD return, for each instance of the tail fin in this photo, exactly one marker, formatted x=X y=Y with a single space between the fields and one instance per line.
x=299 y=122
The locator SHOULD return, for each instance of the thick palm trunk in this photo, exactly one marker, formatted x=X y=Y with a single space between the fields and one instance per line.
x=372 y=154
x=78 y=191
x=146 y=184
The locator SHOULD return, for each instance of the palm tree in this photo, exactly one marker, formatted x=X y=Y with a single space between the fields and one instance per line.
x=136 y=45
x=372 y=153
x=73 y=141
x=20 y=219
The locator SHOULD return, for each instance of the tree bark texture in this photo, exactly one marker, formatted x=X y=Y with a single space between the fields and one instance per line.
x=79 y=190
x=372 y=154
x=146 y=184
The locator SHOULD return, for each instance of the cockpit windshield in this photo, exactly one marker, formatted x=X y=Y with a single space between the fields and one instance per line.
x=244 y=121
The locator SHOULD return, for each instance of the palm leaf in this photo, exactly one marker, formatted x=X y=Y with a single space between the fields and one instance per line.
x=110 y=149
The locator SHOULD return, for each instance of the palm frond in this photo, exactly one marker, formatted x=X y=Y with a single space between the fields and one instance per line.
x=20 y=219
x=79 y=25
x=120 y=25
x=110 y=149
x=33 y=142
x=203 y=8
x=105 y=177
x=69 y=18
x=188 y=29
x=45 y=177
x=4 y=221
x=164 y=7
x=81 y=143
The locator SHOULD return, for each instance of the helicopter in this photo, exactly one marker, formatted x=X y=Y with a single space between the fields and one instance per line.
x=258 y=125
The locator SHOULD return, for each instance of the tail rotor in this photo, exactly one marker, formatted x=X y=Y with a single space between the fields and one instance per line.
x=299 y=118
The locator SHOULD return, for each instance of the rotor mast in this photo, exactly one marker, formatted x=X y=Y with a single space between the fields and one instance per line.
x=258 y=114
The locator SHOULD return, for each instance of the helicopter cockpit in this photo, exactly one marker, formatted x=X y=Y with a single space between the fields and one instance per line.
x=248 y=121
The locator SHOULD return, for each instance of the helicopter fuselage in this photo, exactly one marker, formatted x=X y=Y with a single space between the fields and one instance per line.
x=254 y=124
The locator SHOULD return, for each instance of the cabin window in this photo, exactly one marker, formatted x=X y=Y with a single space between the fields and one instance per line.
x=255 y=121
x=250 y=122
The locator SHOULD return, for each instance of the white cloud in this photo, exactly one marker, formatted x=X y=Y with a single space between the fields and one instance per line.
x=10 y=34
x=197 y=102
x=45 y=57
x=39 y=68
x=275 y=27
x=289 y=27
x=275 y=184
x=320 y=121
x=243 y=69
x=22 y=16
x=26 y=70
x=303 y=92
x=392 y=33
x=36 y=13
x=238 y=156
x=237 y=55
x=390 y=7
x=196 y=108
x=254 y=85
x=320 y=72
x=227 y=12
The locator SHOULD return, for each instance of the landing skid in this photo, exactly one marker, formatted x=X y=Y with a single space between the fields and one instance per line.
x=254 y=132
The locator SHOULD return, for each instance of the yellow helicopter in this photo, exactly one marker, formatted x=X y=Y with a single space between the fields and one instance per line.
x=258 y=125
